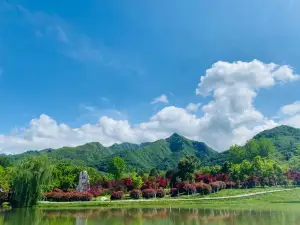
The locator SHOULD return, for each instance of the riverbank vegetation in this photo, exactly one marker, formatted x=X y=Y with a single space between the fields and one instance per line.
x=36 y=178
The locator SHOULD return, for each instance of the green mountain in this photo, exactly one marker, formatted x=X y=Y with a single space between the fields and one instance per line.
x=164 y=154
x=286 y=139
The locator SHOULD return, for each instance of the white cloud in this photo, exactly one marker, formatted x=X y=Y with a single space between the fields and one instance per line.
x=290 y=114
x=291 y=109
x=192 y=107
x=163 y=98
x=229 y=118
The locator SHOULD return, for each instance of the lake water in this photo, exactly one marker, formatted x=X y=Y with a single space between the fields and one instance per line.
x=164 y=216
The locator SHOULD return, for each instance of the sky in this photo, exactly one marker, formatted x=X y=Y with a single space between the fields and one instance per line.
x=73 y=72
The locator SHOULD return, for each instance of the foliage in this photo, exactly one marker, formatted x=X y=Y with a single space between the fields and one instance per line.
x=187 y=166
x=118 y=195
x=136 y=194
x=203 y=189
x=117 y=167
x=6 y=177
x=154 y=173
x=68 y=196
x=149 y=193
x=4 y=161
x=160 y=193
x=30 y=180
x=95 y=191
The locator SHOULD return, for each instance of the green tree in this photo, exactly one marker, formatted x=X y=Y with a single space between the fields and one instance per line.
x=65 y=175
x=6 y=177
x=4 y=161
x=137 y=180
x=265 y=148
x=117 y=167
x=30 y=180
x=251 y=149
x=154 y=173
x=187 y=166
x=226 y=167
x=236 y=154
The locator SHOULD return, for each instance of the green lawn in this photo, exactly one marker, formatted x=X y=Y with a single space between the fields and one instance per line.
x=287 y=200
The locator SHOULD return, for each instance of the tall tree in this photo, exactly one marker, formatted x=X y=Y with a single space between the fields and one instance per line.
x=236 y=154
x=30 y=180
x=117 y=167
x=187 y=166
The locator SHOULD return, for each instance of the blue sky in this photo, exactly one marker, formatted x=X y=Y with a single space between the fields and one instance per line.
x=77 y=61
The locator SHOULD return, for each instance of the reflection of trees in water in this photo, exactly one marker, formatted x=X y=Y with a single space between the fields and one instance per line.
x=158 y=216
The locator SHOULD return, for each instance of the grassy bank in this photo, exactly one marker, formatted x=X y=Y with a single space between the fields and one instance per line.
x=277 y=200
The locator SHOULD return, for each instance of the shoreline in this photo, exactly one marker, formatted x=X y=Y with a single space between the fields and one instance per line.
x=167 y=202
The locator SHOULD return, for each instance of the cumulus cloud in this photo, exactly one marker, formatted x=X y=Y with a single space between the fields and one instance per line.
x=229 y=118
x=163 y=98
x=193 y=107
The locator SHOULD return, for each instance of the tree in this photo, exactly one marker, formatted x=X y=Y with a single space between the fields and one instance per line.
x=117 y=167
x=236 y=154
x=6 y=177
x=187 y=166
x=265 y=148
x=30 y=180
x=251 y=149
x=66 y=175
x=154 y=173
x=4 y=161
x=226 y=167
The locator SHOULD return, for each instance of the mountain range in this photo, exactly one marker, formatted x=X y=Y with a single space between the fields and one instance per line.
x=165 y=153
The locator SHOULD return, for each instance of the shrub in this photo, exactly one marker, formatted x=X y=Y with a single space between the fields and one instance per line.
x=105 y=192
x=203 y=188
x=128 y=183
x=160 y=193
x=136 y=194
x=117 y=195
x=162 y=182
x=230 y=184
x=95 y=191
x=57 y=190
x=222 y=177
x=68 y=196
x=215 y=186
x=147 y=185
x=181 y=187
x=174 y=192
x=206 y=178
x=190 y=189
x=148 y=193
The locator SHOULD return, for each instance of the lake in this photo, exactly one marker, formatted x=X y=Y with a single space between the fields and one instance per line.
x=160 y=216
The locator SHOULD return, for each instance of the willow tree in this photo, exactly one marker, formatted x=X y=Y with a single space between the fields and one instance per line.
x=30 y=180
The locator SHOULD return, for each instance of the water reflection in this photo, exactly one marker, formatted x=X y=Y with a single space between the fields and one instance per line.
x=163 y=216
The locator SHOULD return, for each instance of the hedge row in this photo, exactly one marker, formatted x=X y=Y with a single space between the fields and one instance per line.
x=68 y=196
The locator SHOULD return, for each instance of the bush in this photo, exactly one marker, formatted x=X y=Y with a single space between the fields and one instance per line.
x=105 y=192
x=174 y=192
x=160 y=193
x=190 y=189
x=117 y=195
x=136 y=194
x=148 y=193
x=203 y=188
x=57 y=190
x=128 y=183
x=147 y=185
x=181 y=187
x=95 y=191
x=206 y=178
x=68 y=196
x=230 y=184
x=162 y=182
x=217 y=186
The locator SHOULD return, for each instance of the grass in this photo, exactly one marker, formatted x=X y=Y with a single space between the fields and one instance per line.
x=287 y=200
